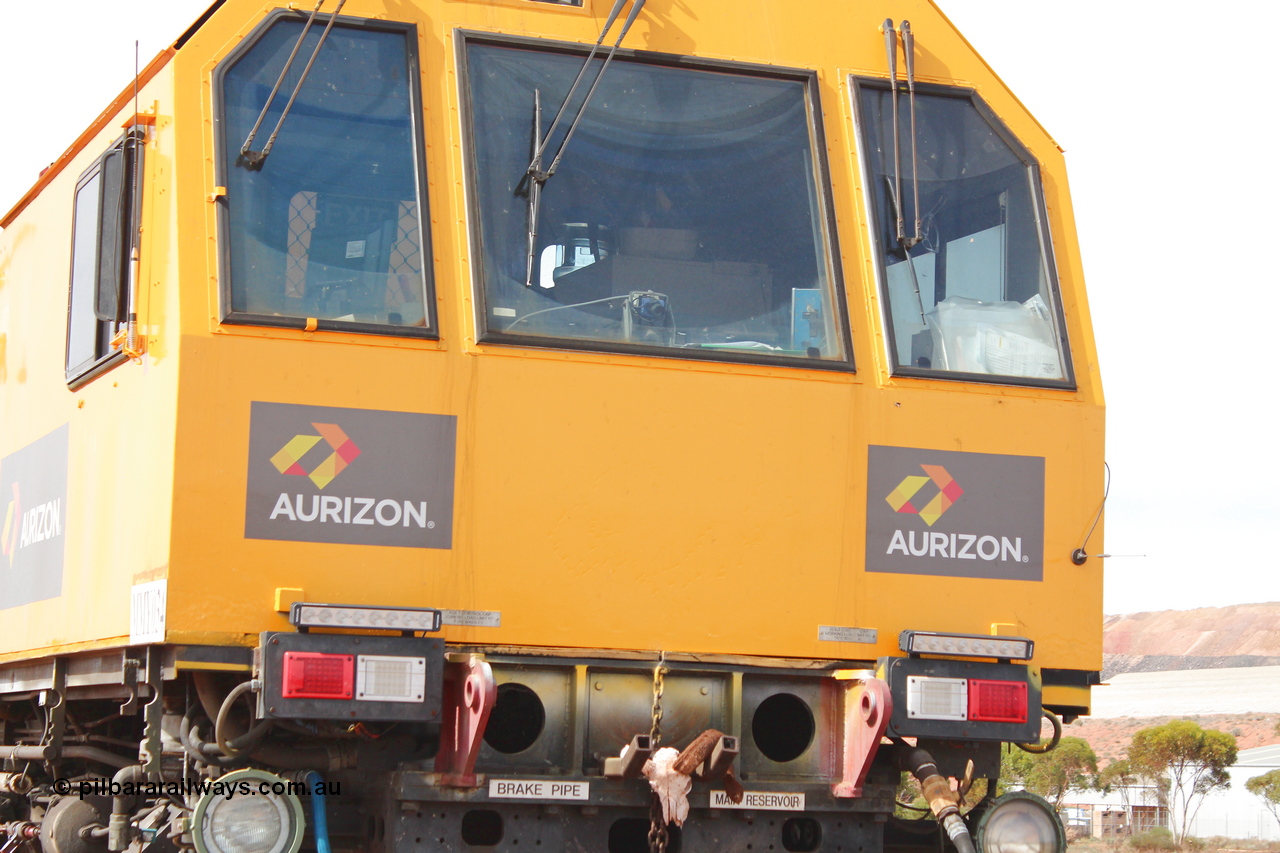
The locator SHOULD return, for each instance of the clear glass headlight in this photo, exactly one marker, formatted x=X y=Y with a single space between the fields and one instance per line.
x=1020 y=822
x=248 y=811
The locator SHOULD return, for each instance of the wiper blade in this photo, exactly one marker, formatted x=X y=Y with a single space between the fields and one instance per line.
x=908 y=49
x=535 y=176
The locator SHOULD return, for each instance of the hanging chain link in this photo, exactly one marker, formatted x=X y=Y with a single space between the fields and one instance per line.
x=657 y=825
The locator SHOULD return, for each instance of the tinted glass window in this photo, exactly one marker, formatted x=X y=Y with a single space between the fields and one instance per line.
x=104 y=233
x=82 y=331
x=976 y=294
x=329 y=225
x=686 y=215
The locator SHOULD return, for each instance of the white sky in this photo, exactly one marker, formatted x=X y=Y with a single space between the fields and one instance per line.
x=1148 y=101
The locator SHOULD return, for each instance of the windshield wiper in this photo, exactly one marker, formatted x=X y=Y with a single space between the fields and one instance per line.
x=535 y=176
x=895 y=185
x=253 y=159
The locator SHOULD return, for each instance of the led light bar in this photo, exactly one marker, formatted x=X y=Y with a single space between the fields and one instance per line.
x=305 y=615
x=965 y=645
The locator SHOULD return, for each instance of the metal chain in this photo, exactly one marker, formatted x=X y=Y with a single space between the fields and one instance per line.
x=657 y=825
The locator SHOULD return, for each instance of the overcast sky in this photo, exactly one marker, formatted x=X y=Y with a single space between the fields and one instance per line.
x=1167 y=121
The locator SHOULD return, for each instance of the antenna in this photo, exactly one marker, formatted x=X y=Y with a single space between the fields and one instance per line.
x=130 y=347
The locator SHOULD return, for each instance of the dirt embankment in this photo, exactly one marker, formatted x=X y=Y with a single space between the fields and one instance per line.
x=1207 y=638
x=1110 y=737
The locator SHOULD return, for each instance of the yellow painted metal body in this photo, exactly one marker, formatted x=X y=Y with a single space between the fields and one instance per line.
x=602 y=501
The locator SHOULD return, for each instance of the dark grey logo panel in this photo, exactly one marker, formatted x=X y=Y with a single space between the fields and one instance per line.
x=33 y=491
x=351 y=476
x=944 y=512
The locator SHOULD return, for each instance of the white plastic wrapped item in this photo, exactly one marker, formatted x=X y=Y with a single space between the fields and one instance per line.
x=1000 y=338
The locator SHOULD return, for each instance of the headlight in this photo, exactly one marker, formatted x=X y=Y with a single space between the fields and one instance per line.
x=248 y=811
x=1020 y=822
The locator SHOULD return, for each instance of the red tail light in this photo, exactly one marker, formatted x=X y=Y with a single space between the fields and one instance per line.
x=998 y=701
x=311 y=675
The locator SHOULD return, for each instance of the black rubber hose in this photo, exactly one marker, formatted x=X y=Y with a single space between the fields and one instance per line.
x=1042 y=748
x=198 y=750
x=220 y=728
x=287 y=758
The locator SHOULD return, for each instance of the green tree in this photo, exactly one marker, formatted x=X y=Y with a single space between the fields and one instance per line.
x=1118 y=775
x=1267 y=787
x=1073 y=765
x=1194 y=760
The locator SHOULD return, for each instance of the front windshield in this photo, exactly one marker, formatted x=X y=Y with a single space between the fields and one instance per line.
x=976 y=295
x=686 y=214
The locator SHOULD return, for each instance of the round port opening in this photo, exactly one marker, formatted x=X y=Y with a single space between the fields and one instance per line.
x=517 y=719
x=782 y=727
x=801 y=835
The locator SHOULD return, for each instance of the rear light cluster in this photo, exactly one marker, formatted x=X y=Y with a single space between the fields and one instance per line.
x=371 y=678
x=982 y=700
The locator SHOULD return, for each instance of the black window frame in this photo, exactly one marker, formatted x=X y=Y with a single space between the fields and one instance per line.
x=125 y=237
x=1039 y=207
x=431 y=331
x=808 y=78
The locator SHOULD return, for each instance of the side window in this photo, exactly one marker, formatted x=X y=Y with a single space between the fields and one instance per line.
x=104 y=235
x=327 y=230
x=976 y=297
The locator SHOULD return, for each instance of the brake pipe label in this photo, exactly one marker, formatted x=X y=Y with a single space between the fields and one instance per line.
x=539 y=789
x=775 y=801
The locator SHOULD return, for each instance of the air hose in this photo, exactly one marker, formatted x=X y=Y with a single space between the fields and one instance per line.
x=319 y=817
x=938 y=794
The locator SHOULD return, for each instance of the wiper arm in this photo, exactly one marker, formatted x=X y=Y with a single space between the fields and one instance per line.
x=909 y=51
x=895 y=184
x=253 y=159
x=535 y=176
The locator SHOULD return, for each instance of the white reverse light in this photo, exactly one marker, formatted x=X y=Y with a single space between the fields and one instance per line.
x=386 y=678
x=966 y=645
x=306 y=615
x=937 y=698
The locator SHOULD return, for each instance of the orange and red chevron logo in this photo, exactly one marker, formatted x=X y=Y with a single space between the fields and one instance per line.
x=949 y=492
x=12 y=519
x=288 y=458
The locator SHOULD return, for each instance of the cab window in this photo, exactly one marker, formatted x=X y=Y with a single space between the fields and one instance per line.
x=688 y=216
x=104 y=236
x=324 y=228
x=973 y=292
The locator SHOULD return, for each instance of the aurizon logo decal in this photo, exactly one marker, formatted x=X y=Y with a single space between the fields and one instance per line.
x=949 y=492
x=288 y=458
x=12 y=516
x=27 y=528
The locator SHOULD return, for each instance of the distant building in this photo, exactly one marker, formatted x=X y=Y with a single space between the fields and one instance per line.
x=1119 y=813
x=1231 y=813
x=1236 y=813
